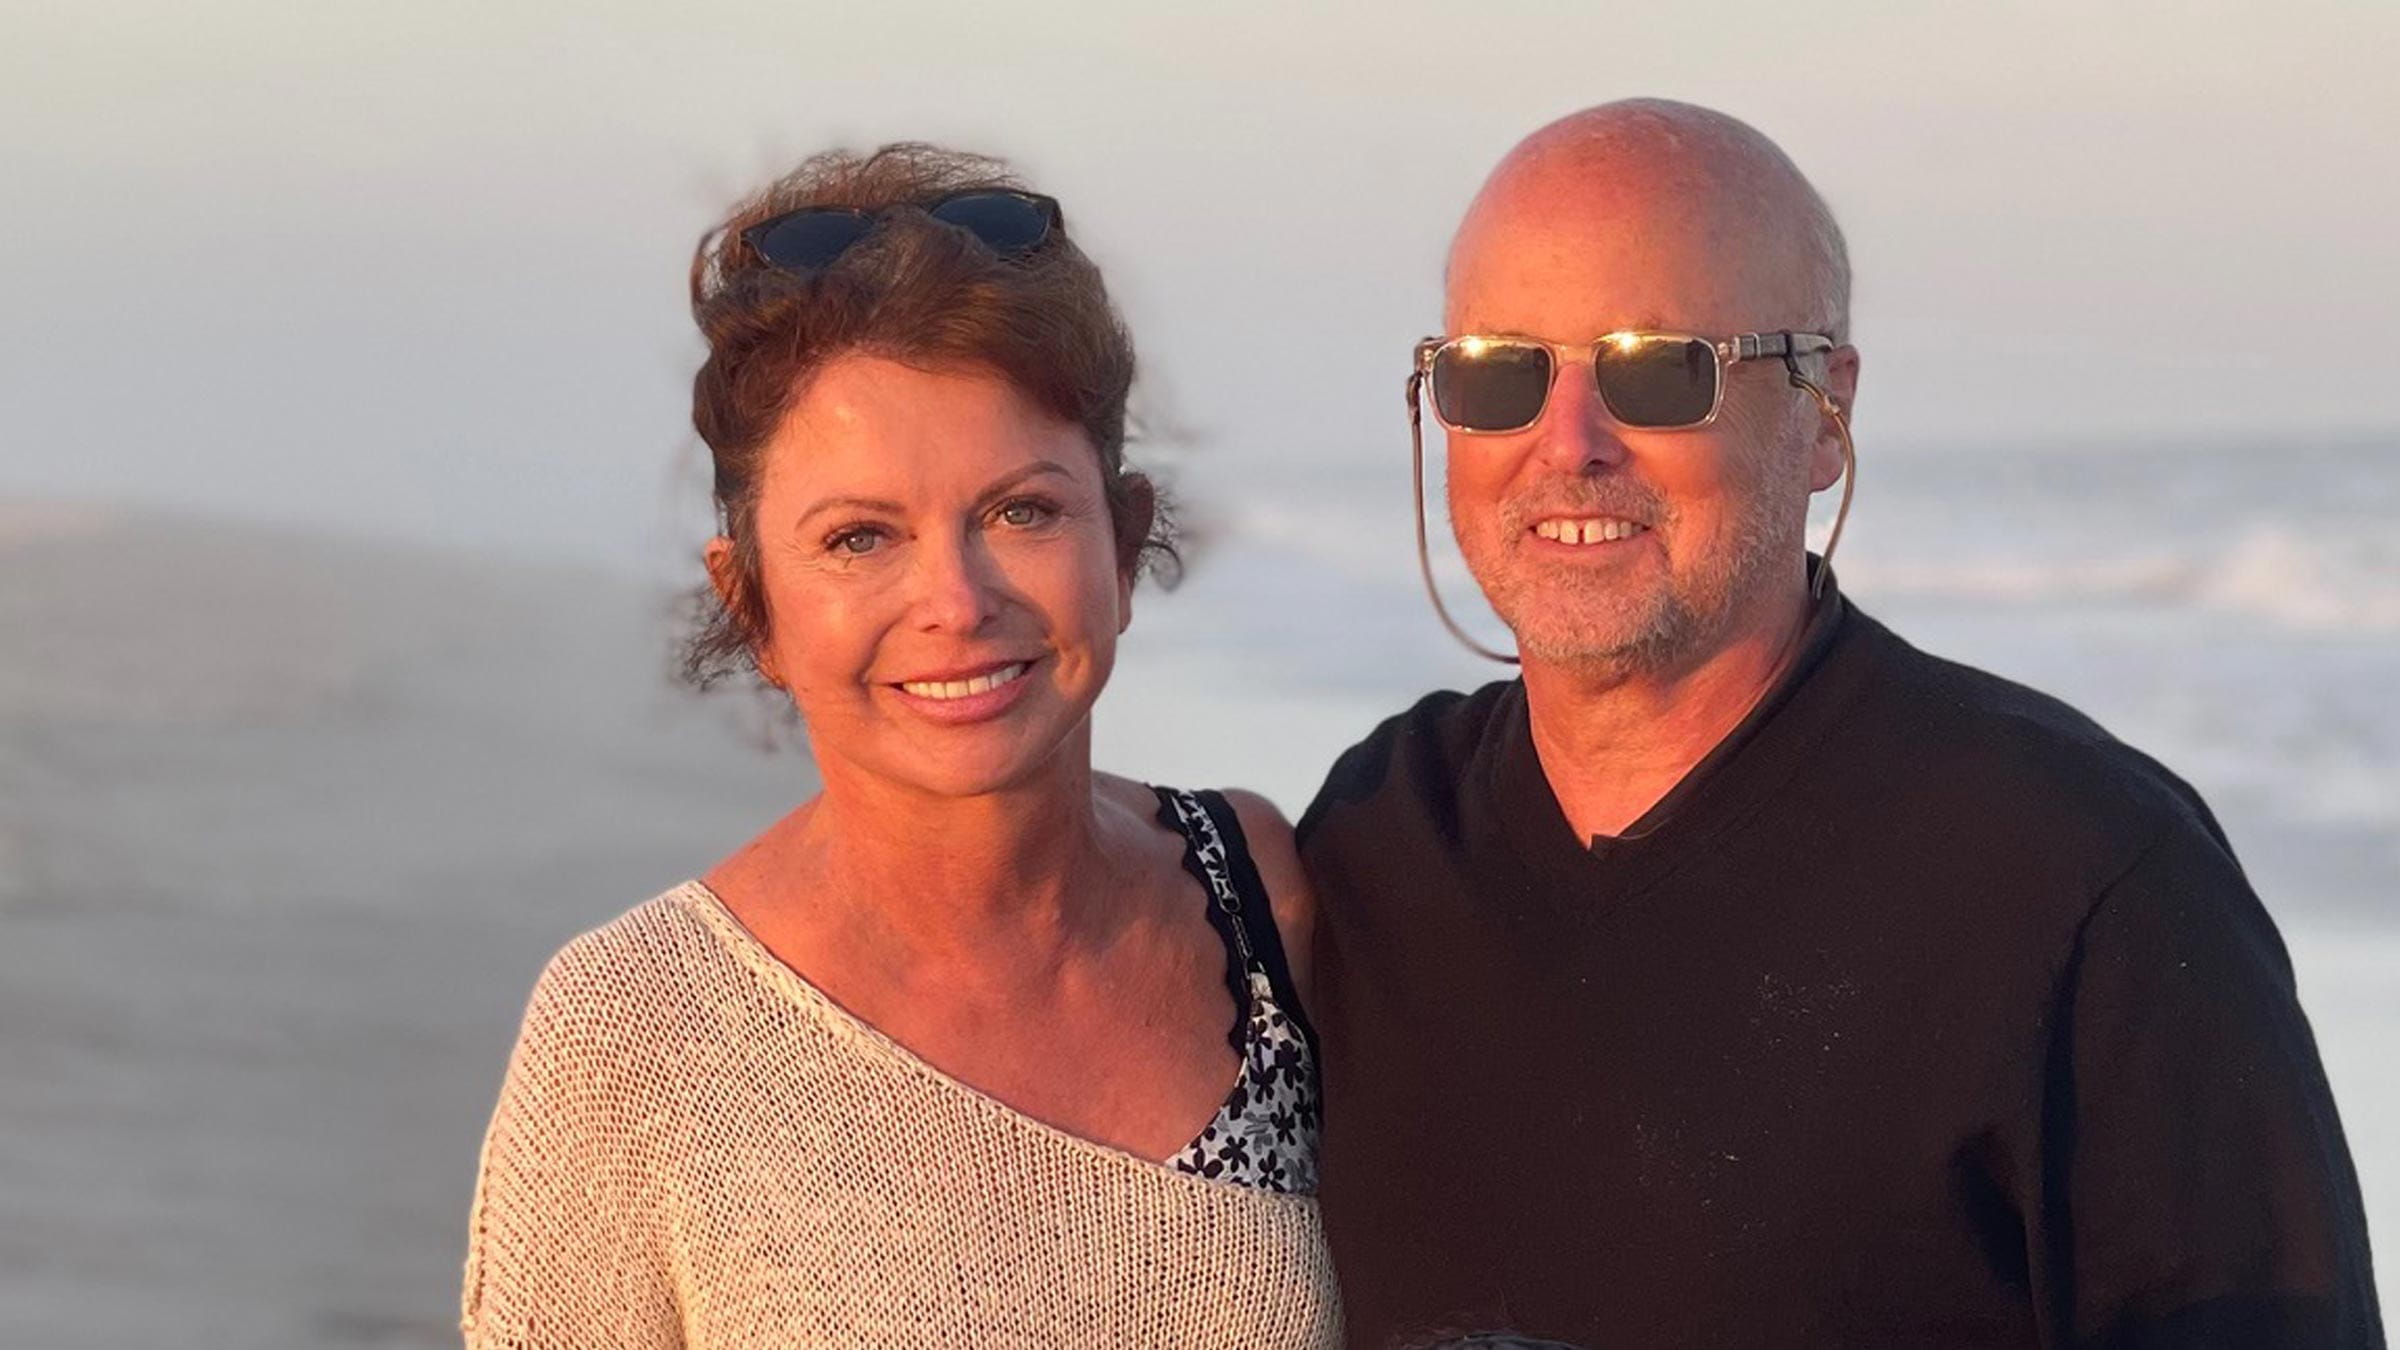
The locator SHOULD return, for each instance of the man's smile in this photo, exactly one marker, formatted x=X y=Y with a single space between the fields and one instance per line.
x=1587 y=529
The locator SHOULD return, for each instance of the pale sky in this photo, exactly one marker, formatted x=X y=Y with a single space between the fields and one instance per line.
x=416 y=269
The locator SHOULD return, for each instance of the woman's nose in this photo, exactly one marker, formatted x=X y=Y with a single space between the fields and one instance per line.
x=957 y=585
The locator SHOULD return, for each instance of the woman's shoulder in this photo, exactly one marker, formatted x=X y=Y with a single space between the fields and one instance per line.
x=1266 y=835
x=1277 y=858
x=623 y=980
x=1263 y=823
x=1269 y=834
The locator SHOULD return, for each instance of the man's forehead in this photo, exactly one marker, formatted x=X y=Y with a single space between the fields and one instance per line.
x=1565 y=273
x=1636 y=218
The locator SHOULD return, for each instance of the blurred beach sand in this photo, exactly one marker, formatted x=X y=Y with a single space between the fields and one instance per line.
x=287 y=829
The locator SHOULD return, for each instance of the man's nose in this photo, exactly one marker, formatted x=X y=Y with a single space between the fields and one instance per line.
x=1576 y=434
x=957 y=583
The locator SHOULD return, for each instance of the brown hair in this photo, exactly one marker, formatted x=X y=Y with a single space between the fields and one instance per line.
x=913 y=290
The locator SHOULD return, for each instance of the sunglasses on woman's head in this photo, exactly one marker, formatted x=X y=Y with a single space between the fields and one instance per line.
x=1654 y=381
x=1010 y=224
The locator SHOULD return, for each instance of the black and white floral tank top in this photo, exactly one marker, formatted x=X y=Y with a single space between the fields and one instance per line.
x=1265 y=1135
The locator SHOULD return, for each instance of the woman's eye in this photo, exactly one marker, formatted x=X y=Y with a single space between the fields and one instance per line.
x=855 y=542
x=1022 y=513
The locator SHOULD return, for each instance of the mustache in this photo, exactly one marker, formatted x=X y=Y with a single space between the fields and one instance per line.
x=1618 y=497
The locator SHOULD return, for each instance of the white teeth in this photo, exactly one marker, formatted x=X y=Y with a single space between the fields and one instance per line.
x=1598 y=530
x=981 y=684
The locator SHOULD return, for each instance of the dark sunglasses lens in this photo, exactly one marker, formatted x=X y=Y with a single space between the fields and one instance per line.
x=807 y=240
x=1490 y=386
x=1655 y=382
x=1008 y=222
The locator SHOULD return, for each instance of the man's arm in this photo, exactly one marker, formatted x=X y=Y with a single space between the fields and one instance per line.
x=2195 y=1188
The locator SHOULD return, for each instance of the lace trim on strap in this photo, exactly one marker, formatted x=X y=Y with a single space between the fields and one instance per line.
x=1265 y=1134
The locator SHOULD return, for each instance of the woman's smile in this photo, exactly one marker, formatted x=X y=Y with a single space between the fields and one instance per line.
x=969 y=694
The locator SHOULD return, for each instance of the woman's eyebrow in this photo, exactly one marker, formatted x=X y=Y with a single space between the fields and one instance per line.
x=870 y=505
x=1010 y=482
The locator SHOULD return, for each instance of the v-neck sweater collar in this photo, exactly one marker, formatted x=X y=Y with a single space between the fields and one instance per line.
x=1745 y=767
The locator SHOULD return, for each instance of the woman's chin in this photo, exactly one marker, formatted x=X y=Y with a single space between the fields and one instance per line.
x=973 y=780
x=974 y=762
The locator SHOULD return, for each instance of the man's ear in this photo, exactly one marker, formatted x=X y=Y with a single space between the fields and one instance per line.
x=733 y=590
x=1825 y=456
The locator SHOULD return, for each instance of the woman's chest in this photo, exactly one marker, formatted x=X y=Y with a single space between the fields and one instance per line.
x=836 y=1216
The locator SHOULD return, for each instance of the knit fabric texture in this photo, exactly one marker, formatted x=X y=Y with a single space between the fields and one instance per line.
x=696 y=1147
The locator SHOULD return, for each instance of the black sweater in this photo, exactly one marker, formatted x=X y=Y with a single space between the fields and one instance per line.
x=1926 y=1014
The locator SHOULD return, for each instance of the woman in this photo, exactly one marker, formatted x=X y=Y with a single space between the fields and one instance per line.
x=978 y=1046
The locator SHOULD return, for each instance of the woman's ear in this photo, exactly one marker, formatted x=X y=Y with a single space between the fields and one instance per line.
x=733 y=592
x=1135 y=516
x=717 y=555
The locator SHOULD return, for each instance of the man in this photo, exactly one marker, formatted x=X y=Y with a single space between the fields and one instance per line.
x=1742 y=976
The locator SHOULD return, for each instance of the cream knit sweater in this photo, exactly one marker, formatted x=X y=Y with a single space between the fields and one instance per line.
x=695 y=1147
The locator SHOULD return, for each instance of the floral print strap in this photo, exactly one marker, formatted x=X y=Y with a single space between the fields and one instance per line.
x=1265 y=1134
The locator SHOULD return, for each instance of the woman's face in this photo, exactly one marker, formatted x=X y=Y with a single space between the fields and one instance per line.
x=942 y=582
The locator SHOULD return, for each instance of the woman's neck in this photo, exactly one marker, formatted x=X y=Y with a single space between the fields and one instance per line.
x=1016 y=880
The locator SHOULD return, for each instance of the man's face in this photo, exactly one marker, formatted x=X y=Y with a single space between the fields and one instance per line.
x=1601 y=545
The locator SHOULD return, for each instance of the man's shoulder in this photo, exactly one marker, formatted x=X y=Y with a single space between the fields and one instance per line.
x=1961 y=733
x=1939 y=695
x=1445 y=723
x=1427 y=744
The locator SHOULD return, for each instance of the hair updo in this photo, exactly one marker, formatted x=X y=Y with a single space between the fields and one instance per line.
x=913 y=290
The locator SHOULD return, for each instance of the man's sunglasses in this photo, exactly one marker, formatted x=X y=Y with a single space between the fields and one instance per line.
x=1655 y=381
x=1009 y=223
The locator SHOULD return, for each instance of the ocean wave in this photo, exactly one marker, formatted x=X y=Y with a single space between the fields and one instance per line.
x=2334 y=580
x=2327 y=582
x=2342 y=576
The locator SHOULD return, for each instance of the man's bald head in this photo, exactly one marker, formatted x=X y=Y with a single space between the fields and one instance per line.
x=1687 y=541
x=1679 y=178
